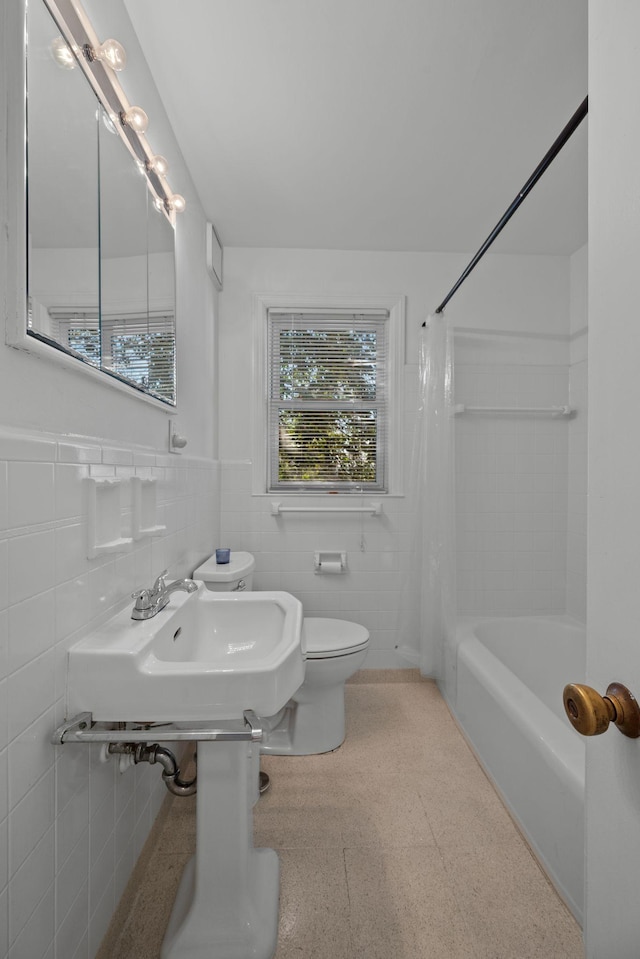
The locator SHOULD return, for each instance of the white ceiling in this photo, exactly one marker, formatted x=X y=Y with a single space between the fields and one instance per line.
x=376 y=124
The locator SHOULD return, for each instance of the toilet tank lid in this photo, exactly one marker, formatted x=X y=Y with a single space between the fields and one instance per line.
x=240 y=564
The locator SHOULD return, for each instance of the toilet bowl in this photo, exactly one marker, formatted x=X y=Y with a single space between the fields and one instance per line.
x=313 y=721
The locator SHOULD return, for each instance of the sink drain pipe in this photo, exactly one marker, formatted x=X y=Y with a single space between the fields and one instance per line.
x=154 y=753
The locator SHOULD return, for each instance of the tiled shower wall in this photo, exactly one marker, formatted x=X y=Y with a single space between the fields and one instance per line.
x=71 y=827
x=511 y=498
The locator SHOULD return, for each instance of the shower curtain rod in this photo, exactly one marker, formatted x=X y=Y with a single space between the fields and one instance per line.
x=547 y=159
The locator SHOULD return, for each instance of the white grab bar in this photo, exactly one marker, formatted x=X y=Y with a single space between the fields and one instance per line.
x=375 y=509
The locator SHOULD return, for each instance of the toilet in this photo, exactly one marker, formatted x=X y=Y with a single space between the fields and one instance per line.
x=313 y=721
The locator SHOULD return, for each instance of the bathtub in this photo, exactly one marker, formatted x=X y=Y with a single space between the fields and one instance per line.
x=509 y=676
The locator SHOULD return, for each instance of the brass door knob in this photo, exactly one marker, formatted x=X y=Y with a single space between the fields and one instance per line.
x=590 y=713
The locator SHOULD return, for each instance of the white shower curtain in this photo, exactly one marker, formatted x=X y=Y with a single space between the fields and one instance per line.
x=427 y=616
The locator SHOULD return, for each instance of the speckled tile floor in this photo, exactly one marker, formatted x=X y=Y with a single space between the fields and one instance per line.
x=393 y=847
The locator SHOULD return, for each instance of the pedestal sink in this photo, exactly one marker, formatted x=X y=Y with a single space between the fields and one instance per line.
x=206 y=656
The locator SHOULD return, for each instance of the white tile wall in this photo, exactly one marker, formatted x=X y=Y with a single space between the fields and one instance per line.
x=511 y=476
x=514 y=530
x=284 y=548
x=71 y=827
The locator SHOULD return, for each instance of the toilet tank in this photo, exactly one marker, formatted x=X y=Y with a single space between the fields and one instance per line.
x=236 y=575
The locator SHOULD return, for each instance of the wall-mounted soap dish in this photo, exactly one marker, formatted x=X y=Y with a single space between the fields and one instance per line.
x=104 y=517
x=144 y=521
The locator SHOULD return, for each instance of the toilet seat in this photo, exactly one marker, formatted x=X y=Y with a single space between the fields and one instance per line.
x=328 y=638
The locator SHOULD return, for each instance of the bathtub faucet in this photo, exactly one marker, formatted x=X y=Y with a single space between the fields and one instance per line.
x=149 y=602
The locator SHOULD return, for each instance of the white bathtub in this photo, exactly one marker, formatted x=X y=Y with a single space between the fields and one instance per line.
x=508 y=699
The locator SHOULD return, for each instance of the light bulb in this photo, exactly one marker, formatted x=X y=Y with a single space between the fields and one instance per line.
x=158 y=165
x=110 y=52
x=62 y=54
x=113 y=54
x=136 y=118
x=177 y=203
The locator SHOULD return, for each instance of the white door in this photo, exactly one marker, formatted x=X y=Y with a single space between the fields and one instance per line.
x=612 y=929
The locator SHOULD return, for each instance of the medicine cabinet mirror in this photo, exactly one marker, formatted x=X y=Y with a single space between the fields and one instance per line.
x=100 y=251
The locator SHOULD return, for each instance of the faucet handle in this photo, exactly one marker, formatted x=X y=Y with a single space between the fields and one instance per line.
x=160 y=585
x=142 y=598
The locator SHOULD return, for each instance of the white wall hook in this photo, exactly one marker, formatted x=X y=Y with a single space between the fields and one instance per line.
x=177 y=442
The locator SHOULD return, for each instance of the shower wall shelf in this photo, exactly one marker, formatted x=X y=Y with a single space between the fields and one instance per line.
x=374 y=509
x=549 y=410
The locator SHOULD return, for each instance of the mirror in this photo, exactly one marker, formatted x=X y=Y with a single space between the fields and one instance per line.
x=101 y=264
x=62 y=194
x=137 y=289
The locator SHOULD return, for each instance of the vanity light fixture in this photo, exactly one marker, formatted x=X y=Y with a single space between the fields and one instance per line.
x=61 y=53
x=136 y=118
x=100 y=62
x=110 y=52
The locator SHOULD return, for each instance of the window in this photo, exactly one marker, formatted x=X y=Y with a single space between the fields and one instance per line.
x=328 y=401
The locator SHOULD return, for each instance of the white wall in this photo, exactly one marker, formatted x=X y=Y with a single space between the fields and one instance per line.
x=70 y=827
x=509 y=293
x=512 y=507
x=63 y=278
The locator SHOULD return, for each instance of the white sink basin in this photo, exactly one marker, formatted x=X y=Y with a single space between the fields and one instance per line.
x=206 y=656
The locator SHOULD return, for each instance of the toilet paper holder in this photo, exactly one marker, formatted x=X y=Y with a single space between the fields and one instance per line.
x=327 y=561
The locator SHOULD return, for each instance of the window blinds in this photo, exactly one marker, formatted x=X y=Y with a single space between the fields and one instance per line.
x=328 y=401
x=142 y=349
x=139 y=348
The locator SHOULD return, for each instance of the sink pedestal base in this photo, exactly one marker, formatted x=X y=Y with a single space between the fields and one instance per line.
x=227 y=902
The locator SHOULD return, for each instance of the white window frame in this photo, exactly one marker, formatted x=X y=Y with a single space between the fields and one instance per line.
x=320 y=303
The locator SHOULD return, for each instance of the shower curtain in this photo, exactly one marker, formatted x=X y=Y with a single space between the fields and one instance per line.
x=427 y=611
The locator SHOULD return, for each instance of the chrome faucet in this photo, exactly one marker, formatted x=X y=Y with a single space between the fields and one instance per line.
x=148 y=602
